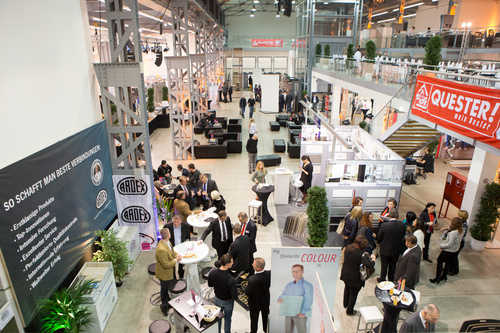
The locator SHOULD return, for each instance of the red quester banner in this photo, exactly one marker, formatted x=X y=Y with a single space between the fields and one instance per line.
x=469 y=110
x=267 y=42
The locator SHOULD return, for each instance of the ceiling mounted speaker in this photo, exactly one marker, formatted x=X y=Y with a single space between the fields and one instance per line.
x=159 y=57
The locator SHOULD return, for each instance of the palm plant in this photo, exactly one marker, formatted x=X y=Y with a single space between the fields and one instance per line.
x=65 y=310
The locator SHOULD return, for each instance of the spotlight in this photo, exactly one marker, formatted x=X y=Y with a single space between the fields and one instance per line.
x=278 y=14
x=253 y=9
x=252 y=15
x=255 y=1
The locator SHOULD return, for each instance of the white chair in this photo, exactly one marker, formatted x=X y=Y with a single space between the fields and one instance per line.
x=255 y=211
x=371 y=315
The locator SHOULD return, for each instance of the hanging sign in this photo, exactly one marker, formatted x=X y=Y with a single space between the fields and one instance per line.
x=469 y=110
x=267 y=42
x=134 y=204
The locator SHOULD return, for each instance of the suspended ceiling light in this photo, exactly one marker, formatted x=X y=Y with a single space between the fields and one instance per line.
x=392 y=19
x=99 y=19
x=253 y=9
x=252 y=15
x=278 y=14
x=411 y=6
x=255 y=1
x=378 y=14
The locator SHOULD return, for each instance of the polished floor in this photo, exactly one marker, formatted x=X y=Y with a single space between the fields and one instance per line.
x=474 y=293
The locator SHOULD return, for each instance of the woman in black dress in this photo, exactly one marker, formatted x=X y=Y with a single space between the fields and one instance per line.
x=430 y=220
x=353 y=257
x=306 y=176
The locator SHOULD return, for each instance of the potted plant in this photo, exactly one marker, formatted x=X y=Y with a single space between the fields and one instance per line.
x=114 y=250
x=371 y=48
x=163 y=209
x=486 y=216
x=164 y=93
x=433 y=52
x=327 y=51
x=318 y=52
x=150 y=105
x=317 y=216
x=350 y=51
x=65 y=311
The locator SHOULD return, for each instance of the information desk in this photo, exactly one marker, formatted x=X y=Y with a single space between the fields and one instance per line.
x=391 y=311
x=263 y=192
x=197 y=252
x=182 y=307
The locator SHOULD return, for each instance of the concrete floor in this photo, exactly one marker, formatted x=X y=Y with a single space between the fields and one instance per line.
x=473 y=294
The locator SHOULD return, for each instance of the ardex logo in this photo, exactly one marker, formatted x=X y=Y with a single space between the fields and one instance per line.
x=135 y=214
x=101 y=198
x=422 y=98
x=132 y=186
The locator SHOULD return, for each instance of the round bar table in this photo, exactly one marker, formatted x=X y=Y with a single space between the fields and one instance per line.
x=191 y=264
x=263 y=193
x=391 y=311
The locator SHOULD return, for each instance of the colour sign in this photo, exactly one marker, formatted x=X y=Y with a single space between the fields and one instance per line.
x=469 y=110
x=52 y=202
x=267 y=42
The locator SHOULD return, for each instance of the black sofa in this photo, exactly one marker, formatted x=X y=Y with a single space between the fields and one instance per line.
x=234 y=125
x=269 y=160
x=293 y=150
x=210 y=151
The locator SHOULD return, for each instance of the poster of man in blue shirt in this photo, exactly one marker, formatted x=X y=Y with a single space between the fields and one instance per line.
x=296 y=300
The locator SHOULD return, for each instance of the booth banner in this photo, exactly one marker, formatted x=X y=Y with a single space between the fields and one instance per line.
x=291 y=301
x=469 y=110
x=134 y=204
x=267 y=42
x=52 y=203
x=321 y=320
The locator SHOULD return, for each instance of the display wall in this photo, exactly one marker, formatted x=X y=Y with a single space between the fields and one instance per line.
x=47 y=86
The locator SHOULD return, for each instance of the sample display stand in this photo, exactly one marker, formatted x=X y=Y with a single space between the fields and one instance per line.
x=103 y=298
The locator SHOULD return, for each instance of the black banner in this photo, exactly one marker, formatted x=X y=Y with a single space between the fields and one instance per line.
x=51 y=204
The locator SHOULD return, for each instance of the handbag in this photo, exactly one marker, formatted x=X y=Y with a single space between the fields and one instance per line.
x=365 y=272
x=340 y=228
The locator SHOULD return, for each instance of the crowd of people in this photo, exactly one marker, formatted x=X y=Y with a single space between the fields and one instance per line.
x=234 y=243
x=401 y=245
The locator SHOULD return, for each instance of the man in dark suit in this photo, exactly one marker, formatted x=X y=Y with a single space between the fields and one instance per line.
x=315 y=101
x=179 y=233
x=205 y=188
x=194 y=175
x=421 y=321
x=408 y=266
x=239 y=250
x=249 y=228
x=390 y=237
x=281 y=101
x=222 y=233
x=289 y=99
x=184 y=172
x=258 y=295
x=184 y=186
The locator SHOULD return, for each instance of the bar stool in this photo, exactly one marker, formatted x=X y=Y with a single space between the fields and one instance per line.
x=204 y=275
x=155 y=299
x=371 y=315
x=159 y=326
x=176 y=287
x=297 y=183
x=255 y=211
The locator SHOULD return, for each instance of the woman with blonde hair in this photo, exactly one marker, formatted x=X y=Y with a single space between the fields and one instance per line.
x=252 y=128
x=351 y=225
x=454 y=269
x=259 y=176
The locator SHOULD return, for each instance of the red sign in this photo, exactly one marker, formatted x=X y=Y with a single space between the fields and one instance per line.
x=327 y=103
x=299 y=43
x=469 y=110
x=267 y=42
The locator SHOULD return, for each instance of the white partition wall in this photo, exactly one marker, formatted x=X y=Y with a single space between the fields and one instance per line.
x=270 y=92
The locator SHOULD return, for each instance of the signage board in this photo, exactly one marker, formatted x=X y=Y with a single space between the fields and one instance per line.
x=52 y=202
x=469 y=110
x=267 y=42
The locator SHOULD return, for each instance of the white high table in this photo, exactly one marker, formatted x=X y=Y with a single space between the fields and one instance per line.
x=202 y=221
x=191 y=264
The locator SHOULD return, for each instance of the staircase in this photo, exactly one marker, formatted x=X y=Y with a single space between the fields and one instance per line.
x=408 y=138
